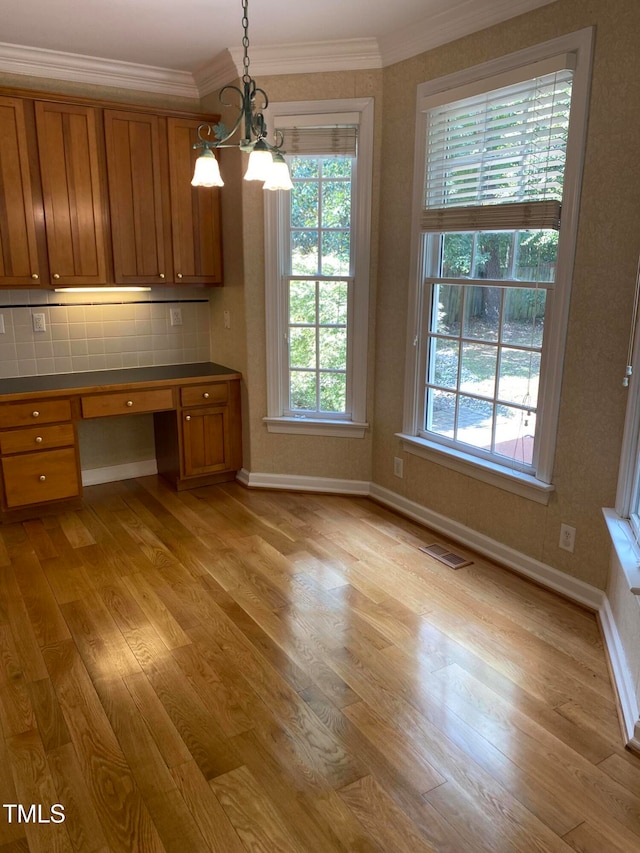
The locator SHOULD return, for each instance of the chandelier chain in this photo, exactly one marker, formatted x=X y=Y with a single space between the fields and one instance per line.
x=246 y=77
x=266 y=160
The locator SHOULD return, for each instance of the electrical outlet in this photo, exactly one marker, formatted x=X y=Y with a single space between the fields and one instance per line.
x=398 y=466
x=1 y=324
x=39 y=324
x=226 y=317
x=567 y=538
x=175 y=315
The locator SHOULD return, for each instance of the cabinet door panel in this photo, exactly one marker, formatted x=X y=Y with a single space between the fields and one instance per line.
x=205 y=441
x=135 y=197
x=71 y=182
x=195 y=211
x=18 y=247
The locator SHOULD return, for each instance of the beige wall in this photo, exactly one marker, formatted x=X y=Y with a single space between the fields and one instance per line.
x=244 y=289
x=593 y=400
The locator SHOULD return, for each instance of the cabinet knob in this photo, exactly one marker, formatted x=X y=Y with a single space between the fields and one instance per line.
x=38 y=439
x=35 y=276
x=129 y=403
x=42 y=478
x=188 y=418
x=56 y=276
x=35 y=414
x=161 y=275
x=179 y=275
x=206 y=395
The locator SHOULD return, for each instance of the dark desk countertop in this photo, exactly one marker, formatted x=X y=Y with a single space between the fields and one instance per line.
x=99 y=378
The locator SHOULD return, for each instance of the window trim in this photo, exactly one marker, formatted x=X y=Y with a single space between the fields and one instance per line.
x=495 y=74
x=623 y=529
x=350 y=109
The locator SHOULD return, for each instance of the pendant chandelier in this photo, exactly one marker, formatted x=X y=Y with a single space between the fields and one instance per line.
x=266 y=162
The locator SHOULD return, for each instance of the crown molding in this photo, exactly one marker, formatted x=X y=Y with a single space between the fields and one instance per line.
x=56 y=65
x=221 y=71
x=312 y=56
x=461 y=19
x=301 y=58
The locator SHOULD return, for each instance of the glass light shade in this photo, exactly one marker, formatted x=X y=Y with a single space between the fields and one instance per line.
x=207 y=171
x=278 y=177
x=260 y=162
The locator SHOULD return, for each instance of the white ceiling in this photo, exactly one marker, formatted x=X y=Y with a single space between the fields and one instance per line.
x=187 y=35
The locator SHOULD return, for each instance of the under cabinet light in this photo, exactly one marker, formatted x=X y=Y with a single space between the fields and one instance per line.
x=100 y=289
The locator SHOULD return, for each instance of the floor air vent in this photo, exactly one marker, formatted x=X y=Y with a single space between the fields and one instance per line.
x=449 y=558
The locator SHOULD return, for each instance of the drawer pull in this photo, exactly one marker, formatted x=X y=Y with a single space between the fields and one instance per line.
x=35 y=414
x=179 y=275
x=129 y=403
x=42 y=478
x=161 y=275
x=56 y=276
x=35 y=276
x=206 y=395
x=188 y=418
x=38 y=439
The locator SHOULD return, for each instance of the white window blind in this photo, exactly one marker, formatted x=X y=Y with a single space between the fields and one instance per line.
x=321 y=141
x=506 y=148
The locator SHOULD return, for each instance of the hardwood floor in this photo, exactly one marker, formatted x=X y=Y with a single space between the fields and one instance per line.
x=231 y=670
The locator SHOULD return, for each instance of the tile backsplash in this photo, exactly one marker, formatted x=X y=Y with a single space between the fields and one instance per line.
x=82 y=334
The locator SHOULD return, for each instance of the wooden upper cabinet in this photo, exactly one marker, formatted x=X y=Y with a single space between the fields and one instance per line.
x=70 y=167
x=19 y=264
x=96 y=193
x=141 y=242
x=195 y=211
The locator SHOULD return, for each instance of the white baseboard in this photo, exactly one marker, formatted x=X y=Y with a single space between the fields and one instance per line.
x=621 y=676
x=295 y=483
x=575 y=589
x=94 y=476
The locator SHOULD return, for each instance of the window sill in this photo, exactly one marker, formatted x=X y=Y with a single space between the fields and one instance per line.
x=316 y=426
x=624 y=545
x=488 y=472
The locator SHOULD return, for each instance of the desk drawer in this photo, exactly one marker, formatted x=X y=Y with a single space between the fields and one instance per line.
x=34 y=412
x=214 y=393
x=34 y=478
x=37 y=438
x=127 y=403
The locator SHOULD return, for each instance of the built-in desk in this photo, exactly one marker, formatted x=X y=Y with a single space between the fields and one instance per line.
x=196 y=414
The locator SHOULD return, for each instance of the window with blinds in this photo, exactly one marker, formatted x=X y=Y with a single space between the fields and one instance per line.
x=499 y=151
x=496 y=160
x=492 y=193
